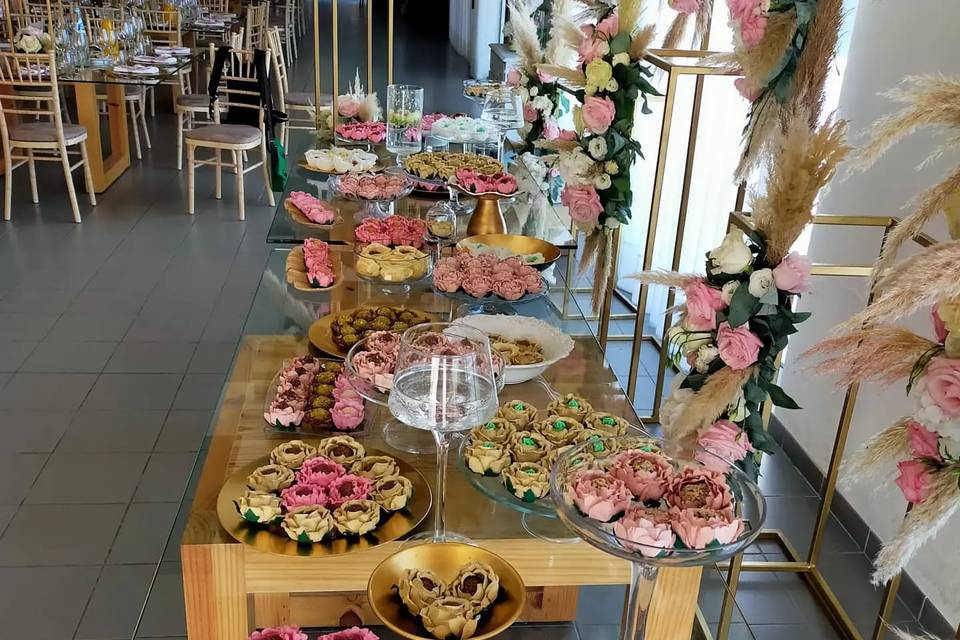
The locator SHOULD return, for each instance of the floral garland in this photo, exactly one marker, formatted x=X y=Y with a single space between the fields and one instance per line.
x=543 y=105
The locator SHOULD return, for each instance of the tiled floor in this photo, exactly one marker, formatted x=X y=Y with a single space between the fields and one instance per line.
x=115 y=337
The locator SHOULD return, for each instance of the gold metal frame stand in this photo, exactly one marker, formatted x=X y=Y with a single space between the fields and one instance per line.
x=807 y=567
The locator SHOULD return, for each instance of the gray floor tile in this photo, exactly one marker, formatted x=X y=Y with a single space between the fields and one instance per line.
x=37 y=301
x=60 y=534
x=712 y=587
x=143 y=534
x=600 y=605
x=91 y=326
x=69 y=357
x=165 y=477
x=182 y=325
x=7 y=512
x=46 y=390
x=104 y=301
x=184 y=431
x=212 y=357
x=796 y=517
x=116 y=602
x=761 y=601
x=26 y=326
x=88 y=478
x=785 y=632
x=60 y=593
x=151 y=357
x=848 y=576
x=547 y=632
x=599 y=631
x=34 y=430
x=133 y=391
x=18 y=471
x=778 y=477
x=108 y=431
x=199 y=391
x=13 y=353
x=222 y=328
x=163 y=615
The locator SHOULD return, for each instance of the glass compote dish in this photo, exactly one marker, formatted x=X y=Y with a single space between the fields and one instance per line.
x=376 y=199
x=443 y=382
x=404 y=114
x=657 y=505
x=502 y=111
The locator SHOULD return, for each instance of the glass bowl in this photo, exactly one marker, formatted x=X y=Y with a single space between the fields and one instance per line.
x=401 y=266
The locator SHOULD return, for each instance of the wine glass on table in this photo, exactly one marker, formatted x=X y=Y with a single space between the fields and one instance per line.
x=443 y=382
x=502 y=111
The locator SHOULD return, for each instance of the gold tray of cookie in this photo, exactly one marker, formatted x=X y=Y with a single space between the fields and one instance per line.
x=332 y=333
x=379 y=263
x=297 y=274
x=323 y=498
x=442 y=165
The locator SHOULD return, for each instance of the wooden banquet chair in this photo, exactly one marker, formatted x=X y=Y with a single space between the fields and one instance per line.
x=239 y=85
x=256 y=25
x=46 y=140
x=294 y=102
x=164 y=28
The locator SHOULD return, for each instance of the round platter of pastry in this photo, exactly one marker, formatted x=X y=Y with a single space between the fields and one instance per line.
x=335 y=333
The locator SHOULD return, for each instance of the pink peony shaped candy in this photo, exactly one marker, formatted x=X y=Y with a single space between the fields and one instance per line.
x=319 y=472
x=303 y=495
x=649 y=529
x=599 y=495
x=645 y=474
x=348 y=487
x=698 y=528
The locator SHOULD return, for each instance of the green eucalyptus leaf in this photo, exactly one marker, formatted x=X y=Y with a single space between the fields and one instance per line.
x=779 y=397
x=742 y=306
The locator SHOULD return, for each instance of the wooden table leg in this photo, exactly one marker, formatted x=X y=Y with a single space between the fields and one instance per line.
x=105 y=169
x=674 y=605
x=214 y=593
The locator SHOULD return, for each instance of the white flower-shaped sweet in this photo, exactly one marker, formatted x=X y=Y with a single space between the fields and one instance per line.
x=309 y=525
x=259 y=506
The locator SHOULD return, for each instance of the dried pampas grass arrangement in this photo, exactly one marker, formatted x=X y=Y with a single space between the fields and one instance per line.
x=882 y=354
x=878 y=457
x=703 y=407
x=678 y=27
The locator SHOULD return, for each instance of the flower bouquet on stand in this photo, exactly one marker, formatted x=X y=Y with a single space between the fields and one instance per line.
x=737 y=318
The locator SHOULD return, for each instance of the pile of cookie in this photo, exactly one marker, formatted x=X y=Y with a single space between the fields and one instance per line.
x=442 y=165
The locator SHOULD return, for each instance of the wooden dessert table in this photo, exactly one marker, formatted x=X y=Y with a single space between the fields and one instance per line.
x=230 y=588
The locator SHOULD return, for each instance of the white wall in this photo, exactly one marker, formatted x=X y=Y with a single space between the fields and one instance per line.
x=890 y=39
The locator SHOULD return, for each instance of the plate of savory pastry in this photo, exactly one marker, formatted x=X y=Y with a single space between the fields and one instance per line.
x=528 y=346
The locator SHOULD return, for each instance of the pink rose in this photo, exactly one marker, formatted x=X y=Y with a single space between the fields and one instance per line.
x=748 y=89
x=698 y=528
x=923 y=443
x=939 y=327
x=348 y=107
x=545 y=77
x=477 y=285
x=347 y=416
x=609 y=26
x=752 y=28
x=703 y=302
x=646 y=475
x=567 y=134
x=685 y=6
x=319 y=471
x=510 y=289
x=598 y=113
x=738 y=347
x=726 y=441
x=599 y=495
x=698 y=489
x=913 y=480
x=530 y=113
x=793 y=273
x=583 y=203
x=290 y=632
x=513 y=77
x=591 y=48
x=645 y=530
x=353 y=633
x=348 y=487
x=303 y=495
x=551 y=130
x=943 y=384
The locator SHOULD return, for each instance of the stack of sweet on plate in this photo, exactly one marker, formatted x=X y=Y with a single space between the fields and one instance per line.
x=482 y=275
x=372 y=186
x=518 y=351
x=375 y=132
x=449 y=609
x=316 y=257
x=520 y=449
x=389 y=249
x=442 y=165
x=315 y=210
x=377 y=359
x=350 y=327
x=464 y=129
x=314 y=394
x=392 y=231
x=479 y=249
x=324 y=491
x=501 y=183
x=339 y=160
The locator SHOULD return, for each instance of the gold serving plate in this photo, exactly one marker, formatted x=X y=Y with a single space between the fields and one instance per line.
x=320 y=332
x=296 y=272
x=376 y=168
x=445 y=559
x=519 y=245
x=262 y=538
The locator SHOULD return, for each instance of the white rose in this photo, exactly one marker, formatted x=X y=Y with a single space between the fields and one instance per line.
x=761 y=281
x=949 y=448
x=611 y=223
x=705 y=355
x=597 y=147
x=574 y=165
x=611 y=167
x=737 y=409
x=602 y=181
x=732 y=256
x=727 y=291
x=543 y=103
x=612 y=85
x=534 y=91
x=688 y=341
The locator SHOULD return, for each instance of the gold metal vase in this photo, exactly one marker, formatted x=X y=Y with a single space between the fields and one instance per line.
x=487 y=217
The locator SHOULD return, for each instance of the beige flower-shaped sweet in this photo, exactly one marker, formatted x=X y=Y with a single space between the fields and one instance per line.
x=583 y=459
x=419 y=588
x=270 y=477
x=526 y=480
x=600 y=443
x=571 y=406
x=259 y=506
x=478 y=583
x=450 y=616
x=486 y=457
x=374 y=467
x=493 y=430
x=356 y=517
x=342 y=449
x=292 y=454
x=310 y=525
x=392 y=492
x=528 y=446
x=518 y=412
x=606 y=423
x=558 y=430
x=647 y=445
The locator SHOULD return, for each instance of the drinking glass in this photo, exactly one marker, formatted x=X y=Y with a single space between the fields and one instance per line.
x=404 y=114
x=443 y=382
x=503 y=111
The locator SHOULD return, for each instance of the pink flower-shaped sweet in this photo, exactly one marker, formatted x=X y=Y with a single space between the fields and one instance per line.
x=510 y=289
x=353 y=633
x=346 y=415
x=698 y=489
x=348 y=106
x=942 y=378
x=348 y=487
x=645 y=530
x=304 y=495
x=485 y=261
x=599 y=495
x=923 y=443
x=368 y=190
x=598 y=113
x=319 y=471
x=447 y=280
x=283 y=415
x=698 y=528
x=645 y=474
x=477 y=285
x=346 y=393
x=385 y=341
x=505 y=183
x=738 y=347
x=726 y=441
x=290 y=632
x=368 y=364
